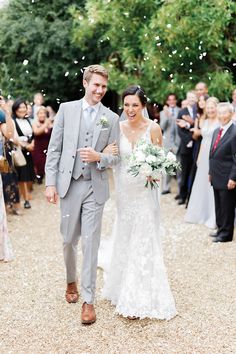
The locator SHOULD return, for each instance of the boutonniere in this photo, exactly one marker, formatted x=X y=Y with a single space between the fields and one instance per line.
x=103 y=121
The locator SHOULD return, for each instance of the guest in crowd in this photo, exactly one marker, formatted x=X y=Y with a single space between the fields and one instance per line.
x=30 y=115
x=10 y=179
x=185 y=122
x=234 y=105
x=197 y=137
x=38 y=102
x=184 y=103
x=201 y=89
x=171 y=138
x=24 y=129
x=50 y=113
x=201 y=207
x=6 y=130
x=42 y=129
x=222 y=173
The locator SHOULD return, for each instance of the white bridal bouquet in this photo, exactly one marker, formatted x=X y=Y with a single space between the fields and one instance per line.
x=151 y=161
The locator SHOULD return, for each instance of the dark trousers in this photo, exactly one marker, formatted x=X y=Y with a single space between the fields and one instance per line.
x=225 y=203
x=186 y=165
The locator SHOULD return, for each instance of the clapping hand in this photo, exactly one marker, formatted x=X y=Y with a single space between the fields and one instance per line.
x=181 y=123
x=188 y=119
x=231 y=184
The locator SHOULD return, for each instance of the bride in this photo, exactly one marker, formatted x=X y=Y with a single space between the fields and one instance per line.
x=135 y=280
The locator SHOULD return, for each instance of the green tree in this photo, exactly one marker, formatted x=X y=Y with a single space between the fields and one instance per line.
x=36 y=51
x=162 y=45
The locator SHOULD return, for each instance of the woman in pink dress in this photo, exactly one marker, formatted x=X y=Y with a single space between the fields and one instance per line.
x=42 y=129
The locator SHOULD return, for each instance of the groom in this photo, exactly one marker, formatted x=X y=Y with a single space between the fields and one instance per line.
x=76 y=170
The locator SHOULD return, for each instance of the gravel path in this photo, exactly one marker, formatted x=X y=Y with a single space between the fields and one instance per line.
x=34 y=317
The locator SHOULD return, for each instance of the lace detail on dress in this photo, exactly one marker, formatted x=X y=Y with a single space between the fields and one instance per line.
x=136 y=280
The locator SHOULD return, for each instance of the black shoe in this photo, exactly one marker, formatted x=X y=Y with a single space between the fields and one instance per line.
x=165 y=192
x=27 y=204
x=222 y=239
x=181 y=202
x=177 y=197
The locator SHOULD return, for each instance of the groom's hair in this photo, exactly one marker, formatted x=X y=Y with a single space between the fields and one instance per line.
x=94 y=69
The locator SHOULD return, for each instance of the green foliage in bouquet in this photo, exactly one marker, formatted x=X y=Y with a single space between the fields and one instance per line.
x=151 y=161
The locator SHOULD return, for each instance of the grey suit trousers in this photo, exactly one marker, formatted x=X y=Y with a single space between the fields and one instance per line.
x=81 y=216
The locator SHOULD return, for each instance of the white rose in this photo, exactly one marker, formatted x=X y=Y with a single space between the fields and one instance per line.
x=145 y=169
x=162 y=153
x=171 y=156
x=140 y=157
x=156 y=174
x=151 y=159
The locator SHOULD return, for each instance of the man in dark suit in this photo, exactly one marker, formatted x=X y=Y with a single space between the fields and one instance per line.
x=222 y=173
x=185 y=122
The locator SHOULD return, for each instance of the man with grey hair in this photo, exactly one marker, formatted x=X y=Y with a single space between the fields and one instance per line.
x=222 y=173
x=76 y=170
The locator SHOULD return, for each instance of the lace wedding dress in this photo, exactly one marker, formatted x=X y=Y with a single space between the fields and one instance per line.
x=135 y=278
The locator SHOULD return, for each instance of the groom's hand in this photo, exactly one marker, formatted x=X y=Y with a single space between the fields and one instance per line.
x=89 y=155
x=51 y=194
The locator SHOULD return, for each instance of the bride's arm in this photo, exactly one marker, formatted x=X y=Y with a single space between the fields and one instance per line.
x=156 y=134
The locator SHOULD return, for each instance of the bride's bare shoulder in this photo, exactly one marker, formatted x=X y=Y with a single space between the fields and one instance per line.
x=156 y=133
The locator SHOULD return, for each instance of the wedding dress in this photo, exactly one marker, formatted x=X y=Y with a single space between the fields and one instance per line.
x=135 y=278
x=201 y=206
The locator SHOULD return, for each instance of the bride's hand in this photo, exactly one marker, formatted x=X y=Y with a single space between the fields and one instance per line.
x=111 y=149
x=151 y=179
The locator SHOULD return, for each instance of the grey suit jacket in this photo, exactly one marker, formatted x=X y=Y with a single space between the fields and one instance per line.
x=63 y=144
x=171 y=139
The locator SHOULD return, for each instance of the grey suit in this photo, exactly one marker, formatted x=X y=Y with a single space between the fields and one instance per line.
x=83 y=189
x=171 y=140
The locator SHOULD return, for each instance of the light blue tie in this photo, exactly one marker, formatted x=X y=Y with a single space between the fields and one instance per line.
x=90 y=117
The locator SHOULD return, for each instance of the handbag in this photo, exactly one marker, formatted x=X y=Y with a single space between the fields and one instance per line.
x=4 y=165
x=18 y=159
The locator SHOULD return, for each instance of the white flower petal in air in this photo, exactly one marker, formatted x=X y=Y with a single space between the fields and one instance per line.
x=25 y=62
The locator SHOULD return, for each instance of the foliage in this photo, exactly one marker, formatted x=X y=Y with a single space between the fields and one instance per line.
x=37 y=33
x=162 y=45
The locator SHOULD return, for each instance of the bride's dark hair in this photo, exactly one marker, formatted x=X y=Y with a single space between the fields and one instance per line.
x=135 y=90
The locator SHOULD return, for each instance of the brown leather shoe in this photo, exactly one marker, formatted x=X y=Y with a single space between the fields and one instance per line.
x=88 y=315
x=72 y=295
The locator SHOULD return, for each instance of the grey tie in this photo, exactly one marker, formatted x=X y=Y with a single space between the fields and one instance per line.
x=90 y=112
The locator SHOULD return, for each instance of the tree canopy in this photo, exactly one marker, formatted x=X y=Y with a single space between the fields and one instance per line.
x=165 y=46
x=36 y=50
